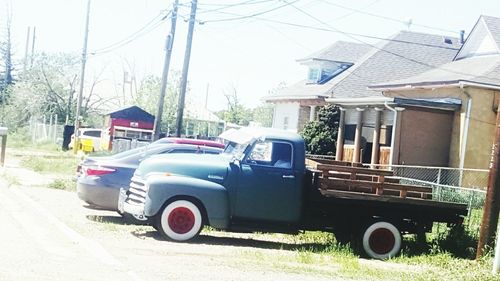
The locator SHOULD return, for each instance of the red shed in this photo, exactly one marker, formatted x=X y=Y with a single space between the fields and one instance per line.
x=128 y=123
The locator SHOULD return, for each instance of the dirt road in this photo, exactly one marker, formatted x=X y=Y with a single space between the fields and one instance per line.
x=48 y=235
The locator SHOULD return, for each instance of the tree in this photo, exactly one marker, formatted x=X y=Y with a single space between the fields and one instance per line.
x=321 y=136
x=6 y=72
x=148 y=94
x=235 y=113
x=263 y=115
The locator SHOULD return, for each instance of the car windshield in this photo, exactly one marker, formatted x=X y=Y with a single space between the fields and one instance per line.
x=235 y=150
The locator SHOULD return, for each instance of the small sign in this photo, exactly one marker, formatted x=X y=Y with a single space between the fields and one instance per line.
x=134 y=124
x=3 y=131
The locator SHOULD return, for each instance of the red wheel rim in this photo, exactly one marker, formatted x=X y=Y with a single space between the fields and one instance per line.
x=181 y=220
x=382 y=241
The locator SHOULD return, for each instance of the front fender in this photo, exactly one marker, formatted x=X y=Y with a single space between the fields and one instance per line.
x=213 y=196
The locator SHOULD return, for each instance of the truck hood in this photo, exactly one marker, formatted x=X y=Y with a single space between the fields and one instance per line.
x=205 y=166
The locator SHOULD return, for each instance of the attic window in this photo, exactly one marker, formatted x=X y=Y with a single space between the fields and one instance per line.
x=324 y=74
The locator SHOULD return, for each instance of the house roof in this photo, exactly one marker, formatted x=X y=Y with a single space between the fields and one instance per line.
x=405 y=55
x=483 y=70
x=484 y=39
x=340 y=51
x=477 y=63
x=493 y=25
x=132 y=113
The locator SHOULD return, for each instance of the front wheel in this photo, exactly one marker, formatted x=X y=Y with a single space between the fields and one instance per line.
x=181 y=220
x=381 y=240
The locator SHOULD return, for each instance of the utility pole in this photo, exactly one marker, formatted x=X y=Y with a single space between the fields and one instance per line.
x=166 y=66
x=492 y=202
x=185 y=68
x=26 y=49
x=33 y=46
x=82 y=80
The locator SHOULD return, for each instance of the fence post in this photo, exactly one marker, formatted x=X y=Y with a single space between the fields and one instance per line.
x=55 y=128
x=439 y=176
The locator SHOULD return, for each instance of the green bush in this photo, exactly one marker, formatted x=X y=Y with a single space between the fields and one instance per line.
x=321 y=136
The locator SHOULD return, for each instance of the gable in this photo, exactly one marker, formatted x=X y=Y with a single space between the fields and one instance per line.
x=481 y=40
x=133 y=113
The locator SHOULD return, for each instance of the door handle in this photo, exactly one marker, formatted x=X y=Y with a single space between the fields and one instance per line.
x=288 y=176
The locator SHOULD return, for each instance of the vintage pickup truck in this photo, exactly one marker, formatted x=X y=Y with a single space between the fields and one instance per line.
x=261 y=183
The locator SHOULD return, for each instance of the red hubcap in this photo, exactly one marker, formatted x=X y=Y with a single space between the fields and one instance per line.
x=181 y=220
x=382 y=241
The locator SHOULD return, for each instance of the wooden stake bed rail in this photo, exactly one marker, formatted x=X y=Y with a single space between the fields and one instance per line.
x=346 y=178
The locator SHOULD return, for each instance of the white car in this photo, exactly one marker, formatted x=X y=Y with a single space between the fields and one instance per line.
x=91 y=134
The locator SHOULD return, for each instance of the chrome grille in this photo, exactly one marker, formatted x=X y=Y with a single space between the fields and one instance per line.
x=137 y=191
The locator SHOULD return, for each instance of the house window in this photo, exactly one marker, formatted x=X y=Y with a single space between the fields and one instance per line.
x=326 y=73
x=313 y=75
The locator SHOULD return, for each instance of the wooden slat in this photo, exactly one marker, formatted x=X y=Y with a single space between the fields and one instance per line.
x=343 y=175
x=376 y=187
x=357 y=170
x=373 y=197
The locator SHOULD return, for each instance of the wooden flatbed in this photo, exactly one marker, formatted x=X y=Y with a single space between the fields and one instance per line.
x=353 y=181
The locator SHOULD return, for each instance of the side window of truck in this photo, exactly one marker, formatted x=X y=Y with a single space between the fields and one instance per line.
x=271 y=153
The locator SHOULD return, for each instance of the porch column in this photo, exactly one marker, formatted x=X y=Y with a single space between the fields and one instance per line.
x=339 y=153
x=312 y=113
x=357 y=136
x=376 y=137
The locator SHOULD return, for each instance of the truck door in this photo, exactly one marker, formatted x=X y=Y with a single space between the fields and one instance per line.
x=268 y=186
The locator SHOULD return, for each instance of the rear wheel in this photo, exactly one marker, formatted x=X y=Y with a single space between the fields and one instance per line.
x=381 y=240
x=181 y=220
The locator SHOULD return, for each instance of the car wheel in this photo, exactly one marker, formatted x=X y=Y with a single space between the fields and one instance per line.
x=381 y=240
x=181 y=220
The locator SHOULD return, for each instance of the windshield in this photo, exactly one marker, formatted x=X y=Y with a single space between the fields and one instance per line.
x=236 y=150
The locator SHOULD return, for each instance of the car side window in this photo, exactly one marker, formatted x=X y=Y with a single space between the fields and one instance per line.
x=261 y=153
x=271 y=153
x=96 y=134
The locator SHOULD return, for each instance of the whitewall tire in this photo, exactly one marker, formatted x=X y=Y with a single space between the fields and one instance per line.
x=180 y=220
x=381 y=240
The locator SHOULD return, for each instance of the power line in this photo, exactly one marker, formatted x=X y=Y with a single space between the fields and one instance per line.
x=243 y=3
x=251 y=15
x=336 y=31
x=386 y=17
x=387 y=51
x=354 y=12
x=353 y=37
x=148 y=27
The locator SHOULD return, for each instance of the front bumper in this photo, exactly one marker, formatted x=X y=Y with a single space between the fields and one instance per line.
x=126 y=206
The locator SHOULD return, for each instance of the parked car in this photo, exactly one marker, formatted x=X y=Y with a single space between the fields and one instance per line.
x=100 y=178
x=200 y=142
x=127 y=153
x=88 y=134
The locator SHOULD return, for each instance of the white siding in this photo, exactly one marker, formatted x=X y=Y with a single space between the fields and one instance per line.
x=286 y=113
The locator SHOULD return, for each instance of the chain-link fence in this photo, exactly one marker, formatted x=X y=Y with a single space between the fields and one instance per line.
x=46 y=129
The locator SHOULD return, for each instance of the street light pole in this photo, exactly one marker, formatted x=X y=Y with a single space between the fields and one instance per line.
x=82 y=80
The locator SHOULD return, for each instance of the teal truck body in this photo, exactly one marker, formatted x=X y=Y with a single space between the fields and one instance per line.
x=261 y=183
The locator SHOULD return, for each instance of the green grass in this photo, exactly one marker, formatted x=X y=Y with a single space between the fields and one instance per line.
x=63 y=164
x=63 y=184
x=318 y=254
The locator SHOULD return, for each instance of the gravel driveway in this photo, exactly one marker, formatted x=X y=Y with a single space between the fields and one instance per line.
x=48 y=234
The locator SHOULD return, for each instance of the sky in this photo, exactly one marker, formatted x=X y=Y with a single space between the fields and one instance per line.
x=233 y=48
